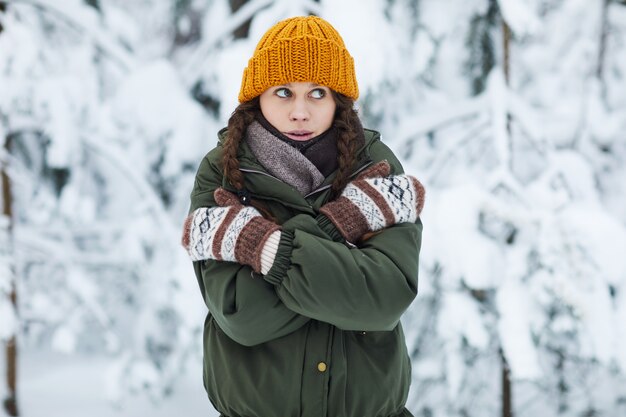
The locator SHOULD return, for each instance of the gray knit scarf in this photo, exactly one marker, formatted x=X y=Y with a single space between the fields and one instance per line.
x=283 y=160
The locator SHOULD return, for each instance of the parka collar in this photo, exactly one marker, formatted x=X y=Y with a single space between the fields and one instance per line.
x=262 y=185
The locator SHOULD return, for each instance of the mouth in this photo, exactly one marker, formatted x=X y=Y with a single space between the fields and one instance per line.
x=299 y=134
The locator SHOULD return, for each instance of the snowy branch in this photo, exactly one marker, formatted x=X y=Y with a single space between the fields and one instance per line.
x=32 y=243
x=440 y=117
x=191 y=71
x=454 y=147
x=148 y=196
x=81 y=19
x=525 y=115
x=526 y=185
x=498 y=108
x=518 y=16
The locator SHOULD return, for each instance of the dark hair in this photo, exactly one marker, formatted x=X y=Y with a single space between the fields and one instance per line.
x=346 y=122
x=348 y=128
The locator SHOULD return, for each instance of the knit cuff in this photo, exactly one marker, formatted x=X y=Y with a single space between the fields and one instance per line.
x=269 y=252
x=282 y=261
x=347 y=218
x=186 y=232
x=251 y=241
x=421 y=192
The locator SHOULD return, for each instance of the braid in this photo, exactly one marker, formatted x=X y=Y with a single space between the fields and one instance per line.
x=239 y=121
x=237 y=125
x=347 y=124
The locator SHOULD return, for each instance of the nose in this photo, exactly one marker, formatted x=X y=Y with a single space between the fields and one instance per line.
x=299 y=111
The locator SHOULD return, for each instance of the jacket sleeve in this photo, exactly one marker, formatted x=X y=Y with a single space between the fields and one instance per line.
x=364 y=288
x=245 y=306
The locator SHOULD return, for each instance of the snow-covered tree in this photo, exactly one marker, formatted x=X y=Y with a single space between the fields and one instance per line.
x=511 y=112
x=522 y=253
x=105 y=145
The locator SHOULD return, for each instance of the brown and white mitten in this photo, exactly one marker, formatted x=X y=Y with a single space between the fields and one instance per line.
x=232 y=232
x=375 y=200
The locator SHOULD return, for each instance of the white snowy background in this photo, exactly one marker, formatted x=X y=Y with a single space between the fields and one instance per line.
x=511 y=112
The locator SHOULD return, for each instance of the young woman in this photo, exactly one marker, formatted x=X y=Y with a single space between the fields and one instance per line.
x=305 y=238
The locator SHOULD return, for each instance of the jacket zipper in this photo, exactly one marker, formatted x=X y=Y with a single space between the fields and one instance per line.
x=354 y=174
x=256 y=171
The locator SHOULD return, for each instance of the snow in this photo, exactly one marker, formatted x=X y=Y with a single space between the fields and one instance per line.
x=86 y=20
x=122 y=24
x=524 y=230
x=217 y=32
x=453 y=233
x=460 y=321
x=54 y=384
x=516 y=309
x=10 y=39
x=73 y=204
x=236 y=56
x=619 y=336
x=362 y=40
x=152 y=102
x=519 y=16
x=594 y=227
x=499 y=111
x=64 y=340
x=61 y=123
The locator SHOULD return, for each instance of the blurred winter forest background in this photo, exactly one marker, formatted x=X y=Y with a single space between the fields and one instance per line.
x=512 y=112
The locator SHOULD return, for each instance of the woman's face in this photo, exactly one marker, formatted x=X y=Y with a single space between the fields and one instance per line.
x=299 y=110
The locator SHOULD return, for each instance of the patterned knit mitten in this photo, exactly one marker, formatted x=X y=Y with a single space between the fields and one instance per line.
x=374 y=201
x=232 y=232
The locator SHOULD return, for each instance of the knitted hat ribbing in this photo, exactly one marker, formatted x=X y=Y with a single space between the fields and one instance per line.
x=300 y=49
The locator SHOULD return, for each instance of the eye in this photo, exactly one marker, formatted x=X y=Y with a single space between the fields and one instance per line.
x=318 y=93
x=283 y=92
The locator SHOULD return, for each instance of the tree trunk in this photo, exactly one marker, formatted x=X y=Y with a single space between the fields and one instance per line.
x=506 y=42
x=10 y=402
x=3 y=8
x=507 y=397
x=481 y=45
x=604 y=31
x=506 y=46
x=243 y=30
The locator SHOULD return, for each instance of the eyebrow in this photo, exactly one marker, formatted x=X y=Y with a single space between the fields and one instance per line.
x=310 y=85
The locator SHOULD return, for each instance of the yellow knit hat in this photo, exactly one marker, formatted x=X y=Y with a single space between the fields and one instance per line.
x=300 y=49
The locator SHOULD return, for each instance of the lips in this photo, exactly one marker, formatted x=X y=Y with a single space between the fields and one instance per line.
x=299 y=134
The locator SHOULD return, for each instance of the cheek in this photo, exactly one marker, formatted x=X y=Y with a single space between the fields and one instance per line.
x=328 y=116
x=271 y=112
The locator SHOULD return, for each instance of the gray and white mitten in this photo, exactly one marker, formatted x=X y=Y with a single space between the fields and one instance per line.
x=232 y=232
x=375 y=200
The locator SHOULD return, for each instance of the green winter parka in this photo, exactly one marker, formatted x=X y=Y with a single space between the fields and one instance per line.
x=320 y=334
